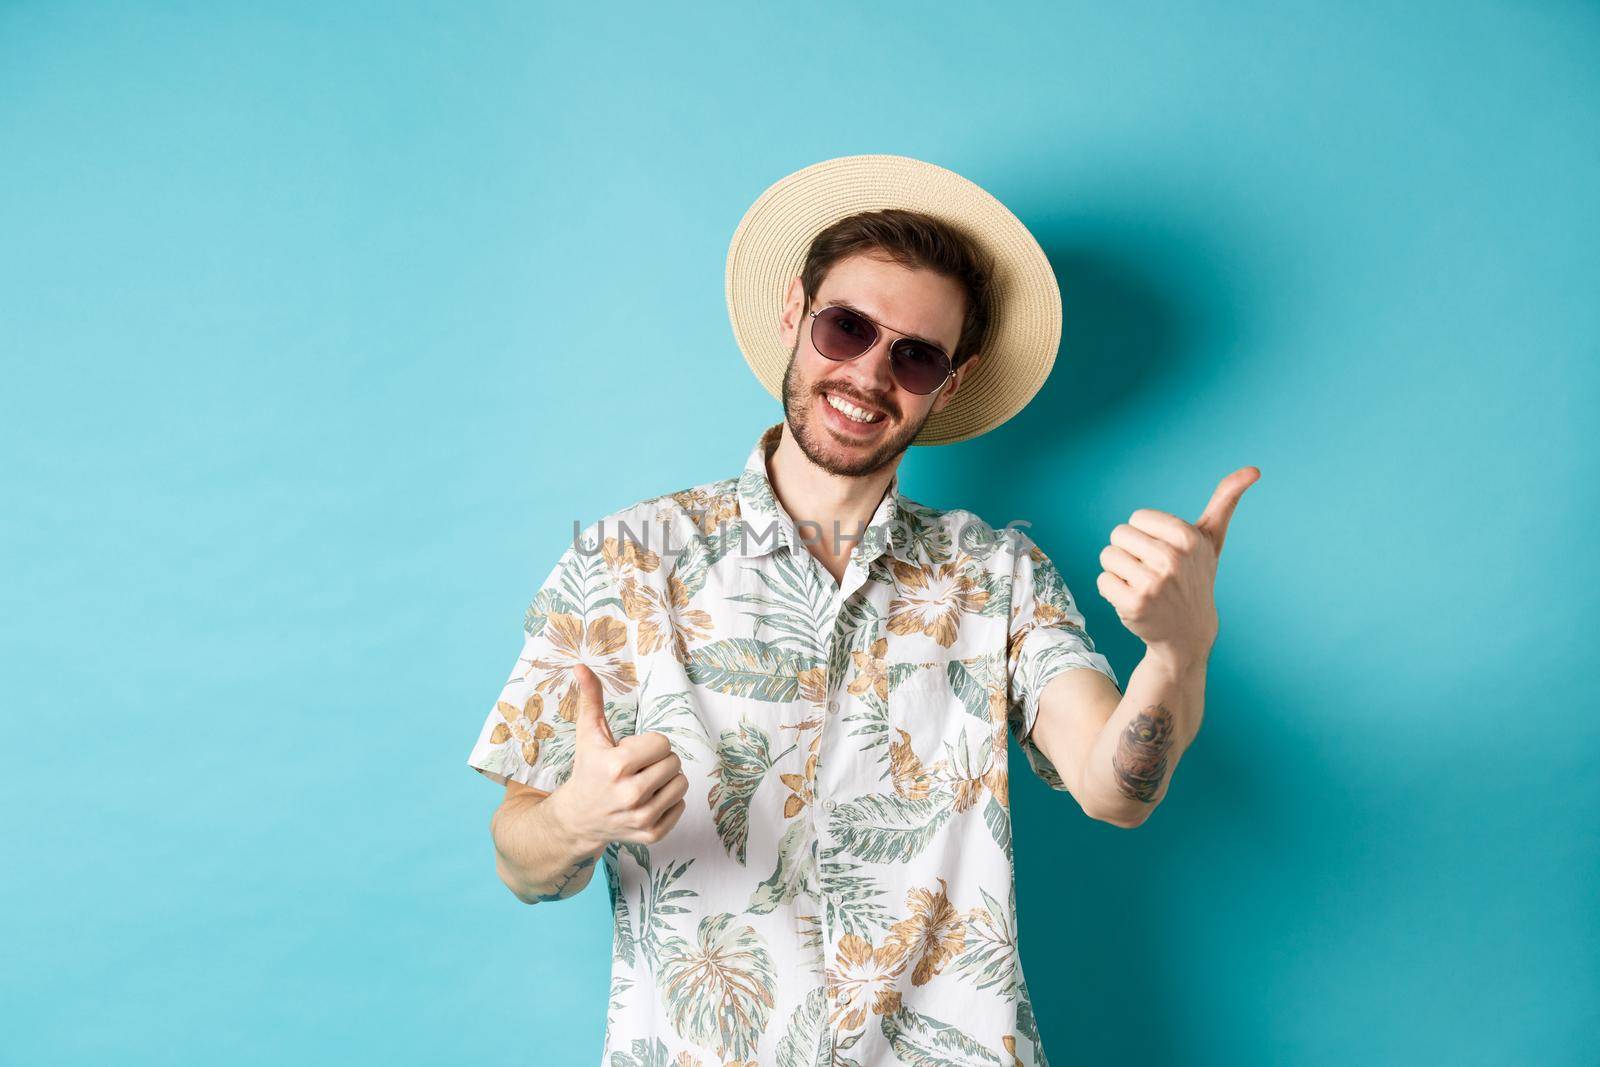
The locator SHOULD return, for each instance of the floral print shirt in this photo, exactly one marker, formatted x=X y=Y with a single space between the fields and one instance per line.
x=839 y=888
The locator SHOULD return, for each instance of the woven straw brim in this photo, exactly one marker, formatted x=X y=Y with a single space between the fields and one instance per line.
x=768 y=250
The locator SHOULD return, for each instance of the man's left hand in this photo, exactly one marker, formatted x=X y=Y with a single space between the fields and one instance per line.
x=1160 y=571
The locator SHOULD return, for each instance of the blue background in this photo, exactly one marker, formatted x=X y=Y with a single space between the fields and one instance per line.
x=321 y=327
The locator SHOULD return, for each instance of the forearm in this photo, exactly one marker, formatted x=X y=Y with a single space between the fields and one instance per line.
x=535 y=855
x=1131 y=761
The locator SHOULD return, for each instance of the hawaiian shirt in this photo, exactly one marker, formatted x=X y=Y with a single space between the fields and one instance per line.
x=839 y=889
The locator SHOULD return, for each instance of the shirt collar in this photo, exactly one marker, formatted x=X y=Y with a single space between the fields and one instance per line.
x=767 y=525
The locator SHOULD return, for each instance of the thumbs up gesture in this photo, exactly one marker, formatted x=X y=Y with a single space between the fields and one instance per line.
x=628 y=790
x=1160 y=572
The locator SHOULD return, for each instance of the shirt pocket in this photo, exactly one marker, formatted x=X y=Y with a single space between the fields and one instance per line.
x=934 y=739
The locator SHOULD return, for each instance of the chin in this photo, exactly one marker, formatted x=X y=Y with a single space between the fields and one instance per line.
x=837 y=453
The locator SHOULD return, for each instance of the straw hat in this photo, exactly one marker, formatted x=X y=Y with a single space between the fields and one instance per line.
x=769 y=248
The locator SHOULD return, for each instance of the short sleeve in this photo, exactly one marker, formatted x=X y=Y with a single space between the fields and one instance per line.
x=1047 y=637
x=576 y=617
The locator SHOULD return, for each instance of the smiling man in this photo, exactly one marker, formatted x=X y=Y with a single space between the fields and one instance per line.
x=777 y=704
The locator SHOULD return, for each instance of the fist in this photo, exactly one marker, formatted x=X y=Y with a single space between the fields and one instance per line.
x=1160 y=572
x=628 y=790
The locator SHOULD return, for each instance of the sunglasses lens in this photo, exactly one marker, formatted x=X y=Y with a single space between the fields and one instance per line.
x=919 y=368
x=839 y=333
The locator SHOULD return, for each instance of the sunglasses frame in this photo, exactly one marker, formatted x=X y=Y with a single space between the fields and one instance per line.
x=949 y=365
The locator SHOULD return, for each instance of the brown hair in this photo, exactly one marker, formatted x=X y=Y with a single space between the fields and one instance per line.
x=918 y=242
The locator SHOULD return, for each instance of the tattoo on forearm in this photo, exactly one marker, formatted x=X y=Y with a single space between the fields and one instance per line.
x=564 y=881
x=1140 y=761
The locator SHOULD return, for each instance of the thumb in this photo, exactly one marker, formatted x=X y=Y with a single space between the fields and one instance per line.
x=592 y=709
x=1219 y=510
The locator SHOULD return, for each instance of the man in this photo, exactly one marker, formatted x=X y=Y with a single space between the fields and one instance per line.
x=777 y=704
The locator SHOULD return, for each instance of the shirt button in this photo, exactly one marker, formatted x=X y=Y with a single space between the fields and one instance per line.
x=829 y=804
x=833 y=705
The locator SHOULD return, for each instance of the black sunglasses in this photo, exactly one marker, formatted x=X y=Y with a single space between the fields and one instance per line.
x=917 y=366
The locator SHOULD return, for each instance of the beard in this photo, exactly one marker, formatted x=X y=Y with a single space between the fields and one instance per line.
x=818 y=442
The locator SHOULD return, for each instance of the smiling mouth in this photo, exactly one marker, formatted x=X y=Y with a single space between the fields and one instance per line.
x=853 y=411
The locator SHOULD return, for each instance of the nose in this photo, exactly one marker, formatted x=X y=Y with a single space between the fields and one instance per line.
x=871 y=372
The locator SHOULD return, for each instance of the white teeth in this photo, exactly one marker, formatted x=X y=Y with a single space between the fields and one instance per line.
x=850 y=411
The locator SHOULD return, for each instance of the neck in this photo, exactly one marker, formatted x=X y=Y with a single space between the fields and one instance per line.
x=837 y=504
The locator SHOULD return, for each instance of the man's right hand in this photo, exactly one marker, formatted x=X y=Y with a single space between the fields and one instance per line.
x=628 y=790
